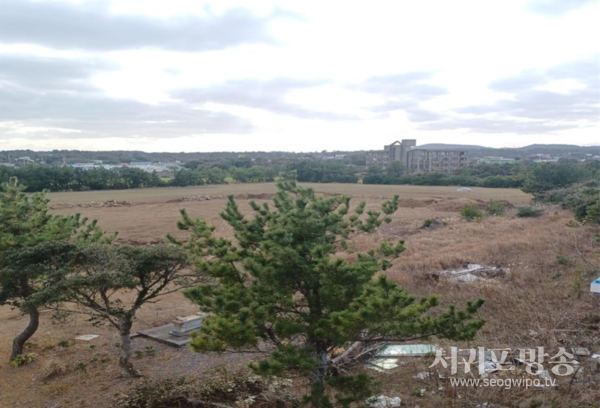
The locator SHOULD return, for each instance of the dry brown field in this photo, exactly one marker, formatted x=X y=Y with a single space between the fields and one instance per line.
x=147 y=215
x=548 y=290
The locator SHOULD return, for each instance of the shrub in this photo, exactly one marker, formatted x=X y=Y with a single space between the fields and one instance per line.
x=427 y=223
x=53 y=368
x=592 y=215
x=529 y=211
x=22 y=359
x=471 y=212
x=31 y=345
x=64 y=343
x=239 y=389
x=496 y=208
x=150 y=351
x=61 y=317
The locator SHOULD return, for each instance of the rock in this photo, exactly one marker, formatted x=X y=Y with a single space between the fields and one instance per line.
x=581 y=351
x=384 y=402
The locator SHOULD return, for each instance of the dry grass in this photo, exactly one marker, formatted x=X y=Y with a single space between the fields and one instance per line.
x=163 y=194
x=542 y=294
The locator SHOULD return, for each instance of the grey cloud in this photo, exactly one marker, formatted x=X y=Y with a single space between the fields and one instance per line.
x=53 y=92
x=91 y=26
x=404 y=92
x=484 y=125
x=531 y=103
x=268 y=95
x=417 y=114
x=587 y=70
x=518 y=83
x=50 y=73
x=537 y=104
x=98 y=116
x=392 y=105
x=555 y=8
x=409 y=85
x=531 y=110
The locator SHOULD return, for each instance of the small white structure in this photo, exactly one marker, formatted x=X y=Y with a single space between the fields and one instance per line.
x=183 y=325
x=595 y=287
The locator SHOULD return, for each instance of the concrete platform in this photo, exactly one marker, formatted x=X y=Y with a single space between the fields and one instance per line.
x=161 y=334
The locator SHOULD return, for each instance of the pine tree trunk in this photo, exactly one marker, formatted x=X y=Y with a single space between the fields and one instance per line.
x=125 y=364
x=317 y=380
x=19 y=341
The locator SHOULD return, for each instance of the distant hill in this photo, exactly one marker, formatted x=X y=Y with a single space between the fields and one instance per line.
x=560 y=150
x=450 y=146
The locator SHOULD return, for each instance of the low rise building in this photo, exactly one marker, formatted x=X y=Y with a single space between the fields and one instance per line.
x=435 y=160
x=418 y=160
x=396 y=151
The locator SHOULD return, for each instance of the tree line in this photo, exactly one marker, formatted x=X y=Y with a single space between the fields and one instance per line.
x=39 y=178
x=531 y=177
x=574 y=187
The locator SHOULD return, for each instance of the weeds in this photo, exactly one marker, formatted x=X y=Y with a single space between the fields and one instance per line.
x=22 y=359
x=528 y=211
x=31 y=345
x=427 y=223
x=149 y=351
x=471 y=213
x=563 y=260
x=61 y=317
x=64 y=343
x=496 y=208
x=241 y=389
x=53 y=368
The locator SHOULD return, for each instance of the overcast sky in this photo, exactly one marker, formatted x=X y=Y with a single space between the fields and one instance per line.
x=227 y=75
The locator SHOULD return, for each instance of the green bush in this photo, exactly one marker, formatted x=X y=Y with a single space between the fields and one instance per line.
x=22 y=359
x=590 y=213
x=529 y=211
x=563 y=260
x=427 y=223
x=64 y=343
x=496 y=208
x=471 y=212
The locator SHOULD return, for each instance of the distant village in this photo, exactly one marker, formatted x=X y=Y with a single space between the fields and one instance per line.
x=148 y=166
x=416 y=159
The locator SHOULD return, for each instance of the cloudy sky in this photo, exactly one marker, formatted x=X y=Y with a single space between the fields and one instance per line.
x=239 y=75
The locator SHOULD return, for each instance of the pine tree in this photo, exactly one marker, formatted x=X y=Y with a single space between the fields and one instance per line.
x=104 y=273
x=34 y=248
x=285 y=288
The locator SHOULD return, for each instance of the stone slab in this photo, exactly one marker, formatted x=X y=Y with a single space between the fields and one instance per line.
x=87 y=337
x=162 y=335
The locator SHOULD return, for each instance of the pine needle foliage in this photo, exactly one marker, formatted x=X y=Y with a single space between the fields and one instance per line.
x=104 y=273
x=35 y=248
x=285 y=287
